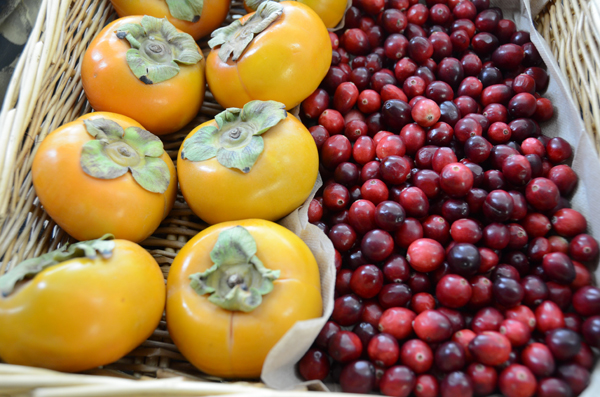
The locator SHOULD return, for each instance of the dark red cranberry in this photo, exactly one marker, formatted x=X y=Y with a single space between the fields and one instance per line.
x=558 y=150
x=314 y=365
x=591 y=331
x=586 y=301
x=517 y=381
x=358 y=377
x=558 y=267
x=432 y=326
x=583 y=248
x=345 y=346
x=577 y=377
x=396 y=113
x=464 y=258
x=535 y=290
x=456 y=383
x=450 y=356
x=419 y=49
x=563 y=343
x=553 y=387
x=542 y=194
x=508 y=292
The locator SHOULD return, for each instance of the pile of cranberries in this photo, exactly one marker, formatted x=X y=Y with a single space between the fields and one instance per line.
x=461 y=268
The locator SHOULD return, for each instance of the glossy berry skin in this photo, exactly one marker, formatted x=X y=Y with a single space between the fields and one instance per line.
x=456 y=384
x=553 y=387
x=517 y=381
x=432 y=326
x=453 y=291
x=416 y=355
x=314 y=365
x=586 y=301
x=397 y=381
x=397 y=321
x=345 y=346
x=563 y=343
x=358 y=377
x=464 y=258
x=450 y=356
x=591 y=331
x=425 y=255
x=490 y=348
x=383 y=350
x=456 y=179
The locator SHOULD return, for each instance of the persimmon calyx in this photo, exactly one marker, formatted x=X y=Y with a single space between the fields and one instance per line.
x=186 y=10
x=253 y=4
x=157 y=49
x=113 y=152
x=238 y=279
x=234 y=38
x=236 y=142
x=91 y=249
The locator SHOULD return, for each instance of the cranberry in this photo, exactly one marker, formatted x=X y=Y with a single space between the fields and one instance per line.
x=419 y=282
x=456 y=179
x=517 y=333
x=314 y=365
x=422 y=301
x=383 y=350
x=577 y=377
x=358 y=377
x=457 y=384
x=409 y=232
x=484 y=379
x=397 y=321
x=453 y=291
x=426 y=113
x=396 y=113
x=517 y=381
x=329 y=329
x=583 y=248
x=535 y=290
x=394 y=295
x=558 y=150
x=414 y=137
x=538 y=358
x=586 y=301
x=564 y=177
x=549 y=316
x=390 y=145
x=432 y=326
x=558 y=267
x=496 y=236
x=563 y=343
x=482 y=292
x=397 y=381
x=487 y=319
x=416 y=355
x=522 y=314
x=419 y=49
x=490 y=348
x=425 y=255
x=591 y=331
x=356 y=42
x=345 y=346
x=426 y=386
x=450 y=356
x=542 y=194
x=553 y=387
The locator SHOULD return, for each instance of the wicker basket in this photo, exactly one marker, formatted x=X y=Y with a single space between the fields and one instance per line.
x=46 y=92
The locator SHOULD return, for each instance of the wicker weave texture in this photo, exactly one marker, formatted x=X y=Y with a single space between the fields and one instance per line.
x=572 y=28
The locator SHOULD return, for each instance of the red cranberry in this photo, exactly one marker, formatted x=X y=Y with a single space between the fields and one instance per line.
x=383 y=350
x=314 y=365
x=591 y=331
x=432 y=326
x=329 y=329
x=558 y=150
x=347 y=310
x=453 y=291
x=487 y=319
x=426 y=386
x=553 y=387
x=416 y=355
x=583 y=248
x=517 y=381
x=586 y=301
x=496 y=236
x=564 y=177
x=535 y=290
x=394 y=295
x=517 y=333
x=425 y=255
x=538 y=358
x=563 y=343
x=457 y=384
x=542 y=194
x=397 y=321
x=450 y=356
x=409 y=232
x=577 y=377
x=356 y=42
x=484 y=379
x=549 y=316
x=422 y=301
x=490 y=348
x=456 y=179
x=358 y=377
x=558 y=267
x=419 y=49
x=397 y=381
x=345 y=346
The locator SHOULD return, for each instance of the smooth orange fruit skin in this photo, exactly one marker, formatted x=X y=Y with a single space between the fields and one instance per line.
x=278 y=183
x=284 y=63
x=87 y=207
x=111 y=86
x=83 y=313
x=214 y=13
x=235 y=344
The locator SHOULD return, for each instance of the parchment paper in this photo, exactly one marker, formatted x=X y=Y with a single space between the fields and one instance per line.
x=279 y=368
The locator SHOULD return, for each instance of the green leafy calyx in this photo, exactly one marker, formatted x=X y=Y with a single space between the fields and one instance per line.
x=113 y=152
x=157 y=49
x=238 y=279
x=236 y=142
x=234 y=38
x=91 y=249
